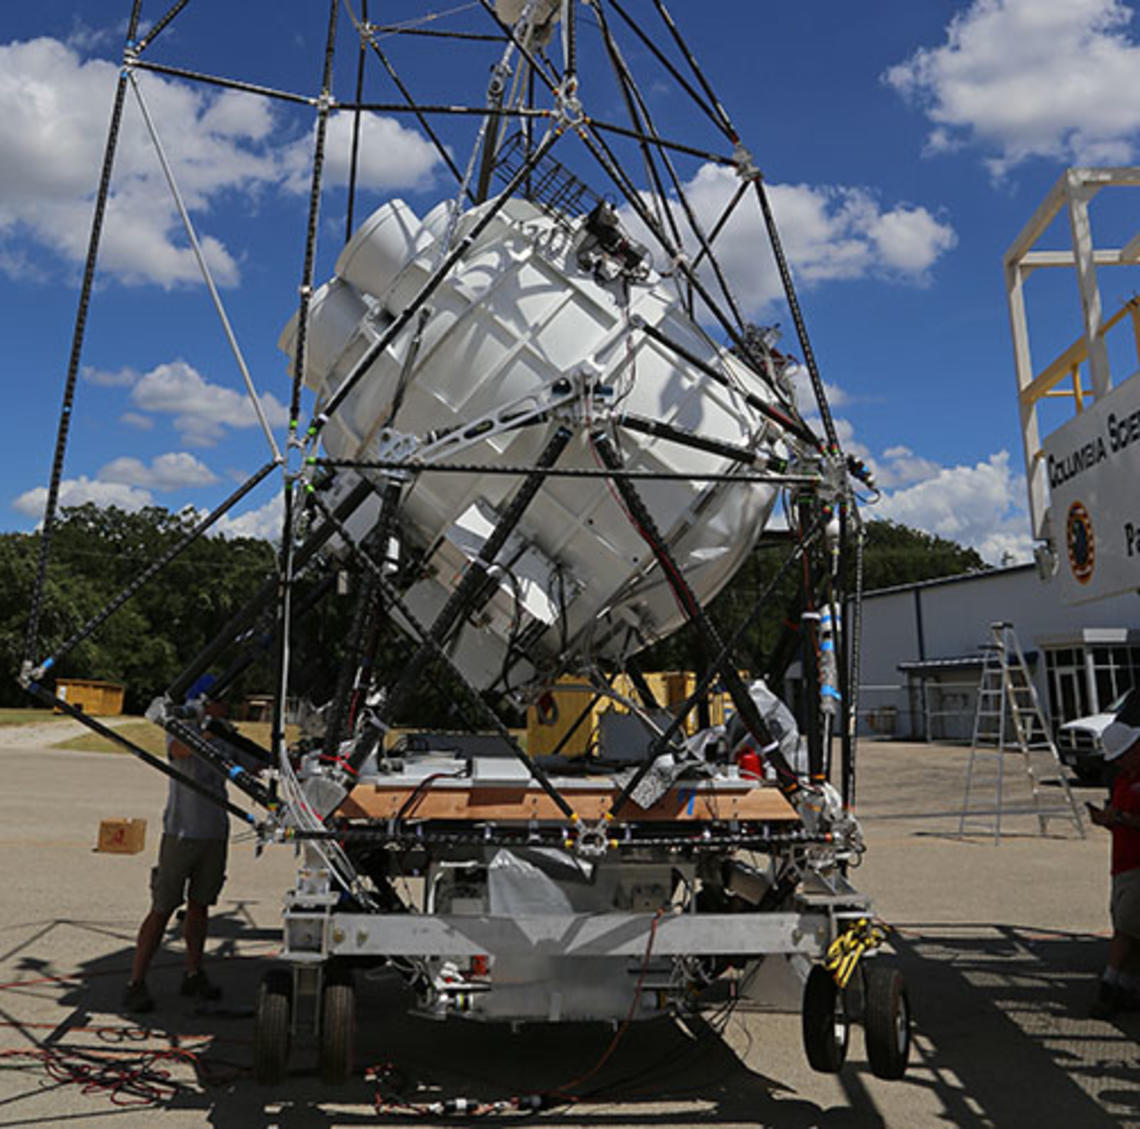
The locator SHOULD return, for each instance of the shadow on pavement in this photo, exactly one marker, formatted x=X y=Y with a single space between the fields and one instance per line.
x=1005 y=1037
x=1002 y=1040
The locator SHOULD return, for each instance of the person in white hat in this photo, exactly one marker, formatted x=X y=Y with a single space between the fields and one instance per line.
x=1119 y=988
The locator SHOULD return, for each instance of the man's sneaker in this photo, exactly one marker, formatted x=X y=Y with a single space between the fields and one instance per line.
x=136 y=997
x=197 y=984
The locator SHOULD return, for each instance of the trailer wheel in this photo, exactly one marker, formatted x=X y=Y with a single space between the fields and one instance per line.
x=271 y=1027
x=338 y=1028
x=886 y=1020
x=826 y=1028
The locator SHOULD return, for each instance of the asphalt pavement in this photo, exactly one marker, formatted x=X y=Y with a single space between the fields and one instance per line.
x=1001 y=944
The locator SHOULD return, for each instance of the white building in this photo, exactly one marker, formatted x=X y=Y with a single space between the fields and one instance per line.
x=923 y=650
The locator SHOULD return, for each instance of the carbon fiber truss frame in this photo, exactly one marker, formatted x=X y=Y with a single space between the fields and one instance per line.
x=540 y=101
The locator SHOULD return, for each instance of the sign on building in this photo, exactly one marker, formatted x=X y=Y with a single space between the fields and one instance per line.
x=1092 y=463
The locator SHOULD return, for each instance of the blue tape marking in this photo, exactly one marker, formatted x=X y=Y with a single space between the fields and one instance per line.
x=827 y=645
x=692 y=802
x=48 y=664
x=235 y=771
x=831 y=692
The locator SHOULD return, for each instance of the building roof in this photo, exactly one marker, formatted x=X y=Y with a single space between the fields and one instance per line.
x=955 y=662
x=959 y=578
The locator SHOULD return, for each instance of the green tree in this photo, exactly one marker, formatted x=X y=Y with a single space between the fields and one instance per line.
x=95 y=554
x=893 y=554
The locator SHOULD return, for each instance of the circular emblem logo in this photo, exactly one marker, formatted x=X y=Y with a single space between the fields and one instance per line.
x=1081 y=542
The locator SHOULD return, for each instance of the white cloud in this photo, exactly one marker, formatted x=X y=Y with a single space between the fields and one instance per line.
x=123 y=378
x=53 y=121
x=173 y=471
x=828 y=233
x=263 y=522
x=900 y=466
x=201 y=410
x=54 y=107
x=805 y=395
x=1022 y=78
x=982 y=506
x=391 y=156
x=137 y=420
x=78 y=491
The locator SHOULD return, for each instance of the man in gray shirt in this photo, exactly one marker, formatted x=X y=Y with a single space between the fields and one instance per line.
x=191 y=866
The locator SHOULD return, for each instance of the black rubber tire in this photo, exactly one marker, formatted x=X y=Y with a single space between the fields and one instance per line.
x=886 y=1020
x=826 y=1027
x=338 y=1028
x=271 y=1027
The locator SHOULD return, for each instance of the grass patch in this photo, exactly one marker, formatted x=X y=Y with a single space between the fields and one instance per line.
x=141 y=732
x=153 y=739
x=28 y=716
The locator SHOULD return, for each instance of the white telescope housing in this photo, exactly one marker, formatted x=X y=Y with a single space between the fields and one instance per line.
x=519 y=329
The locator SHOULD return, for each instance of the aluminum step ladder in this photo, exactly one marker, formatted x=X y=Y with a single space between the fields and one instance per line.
x=1008 y=721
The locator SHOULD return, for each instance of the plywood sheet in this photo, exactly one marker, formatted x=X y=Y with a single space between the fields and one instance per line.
x=505 y=804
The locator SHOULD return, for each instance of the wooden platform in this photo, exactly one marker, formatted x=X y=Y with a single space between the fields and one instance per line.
x=504 y=804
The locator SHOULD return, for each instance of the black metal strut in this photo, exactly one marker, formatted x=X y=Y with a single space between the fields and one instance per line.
x=191 y=736
x=242 y=619
x=466 y=593
x=741 y=699
x=365 y=614
x=63 y=705
x=31 y=643
x=420 y=633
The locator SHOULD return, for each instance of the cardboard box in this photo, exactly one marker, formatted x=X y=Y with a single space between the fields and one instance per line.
x=122 y=836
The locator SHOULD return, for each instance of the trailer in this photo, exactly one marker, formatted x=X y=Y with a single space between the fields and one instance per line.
x=543 y=439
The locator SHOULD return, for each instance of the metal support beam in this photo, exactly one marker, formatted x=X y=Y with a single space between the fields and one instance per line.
x=467 y=592
x=568 y=935
x=725 y=663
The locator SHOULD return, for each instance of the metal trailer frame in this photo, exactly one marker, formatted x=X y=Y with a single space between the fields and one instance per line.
x=336 y=916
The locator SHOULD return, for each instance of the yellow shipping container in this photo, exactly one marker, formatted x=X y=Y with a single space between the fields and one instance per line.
x=558 y=711
x=100 y=699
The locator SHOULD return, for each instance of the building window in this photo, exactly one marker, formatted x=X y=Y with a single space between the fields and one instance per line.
x=1067 y=680
x=1087 y=680
x=1114 y=671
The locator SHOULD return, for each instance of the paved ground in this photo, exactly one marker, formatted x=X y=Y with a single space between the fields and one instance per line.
x=1000 y=946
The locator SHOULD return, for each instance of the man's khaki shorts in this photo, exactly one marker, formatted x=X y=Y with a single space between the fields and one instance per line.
x=1125 y=904
x=193 y=869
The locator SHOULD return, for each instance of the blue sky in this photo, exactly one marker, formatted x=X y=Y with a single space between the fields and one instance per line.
x=904 y=144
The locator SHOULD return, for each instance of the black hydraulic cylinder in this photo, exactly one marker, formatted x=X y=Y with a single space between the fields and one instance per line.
x=741 y=699
x=368 y=609
x=203 y=747
x=470 y=586
x=49 y=699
